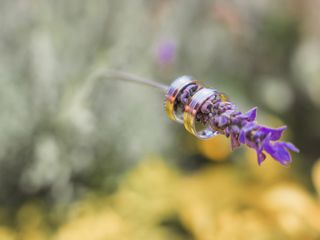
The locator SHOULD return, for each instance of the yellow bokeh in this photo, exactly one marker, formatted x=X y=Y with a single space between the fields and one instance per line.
x=269 y=171
x=7 y=234
x=31 y=225
x=215 y=203
x=216 y=148
x=316 y=176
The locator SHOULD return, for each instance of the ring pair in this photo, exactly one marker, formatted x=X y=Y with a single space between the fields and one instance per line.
x=188 y=111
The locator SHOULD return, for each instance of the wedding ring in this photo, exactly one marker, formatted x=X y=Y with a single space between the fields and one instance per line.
x=192 y=109
x=172 y=109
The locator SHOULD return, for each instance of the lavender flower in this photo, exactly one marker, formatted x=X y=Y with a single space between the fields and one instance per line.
x=224 y=117
x=166 y=52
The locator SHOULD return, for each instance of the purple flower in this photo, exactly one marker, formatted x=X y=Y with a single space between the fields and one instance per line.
x=264 y=139
x=242 y=129
x=166 y=52
x=279 y=150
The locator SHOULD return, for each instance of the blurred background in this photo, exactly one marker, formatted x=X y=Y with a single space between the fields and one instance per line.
x=83 y=158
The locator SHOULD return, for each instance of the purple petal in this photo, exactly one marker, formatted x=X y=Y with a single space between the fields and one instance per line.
x=222 y=121
x=268 y=146
x=250 y=115
x=242 y=137
x=291 y=147
x=248 y=127
x=279 y=152
x=261 y=157
x=266 y=141
x=275 y=132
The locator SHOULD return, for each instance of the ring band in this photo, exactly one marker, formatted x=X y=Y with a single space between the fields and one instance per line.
x=191 y=111
x=171 y=108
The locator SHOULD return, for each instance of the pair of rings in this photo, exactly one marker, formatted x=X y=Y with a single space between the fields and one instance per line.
x=186 y=113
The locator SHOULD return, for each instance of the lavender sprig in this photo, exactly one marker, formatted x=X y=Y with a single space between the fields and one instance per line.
x=224 y=117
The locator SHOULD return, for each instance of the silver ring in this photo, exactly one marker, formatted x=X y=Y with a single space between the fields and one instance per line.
x=191 y=111
x=176 y=87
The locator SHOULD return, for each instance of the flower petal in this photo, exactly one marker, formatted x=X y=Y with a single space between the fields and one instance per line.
x=279 y=152
x=250 y=115
x=275 y=132
x=291 y=147
x=245 y=129
x=222 y=121
x=242 y=137
x=261 y=157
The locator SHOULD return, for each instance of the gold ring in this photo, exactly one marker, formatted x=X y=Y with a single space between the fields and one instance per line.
x=172 y=109
x=190 y=122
